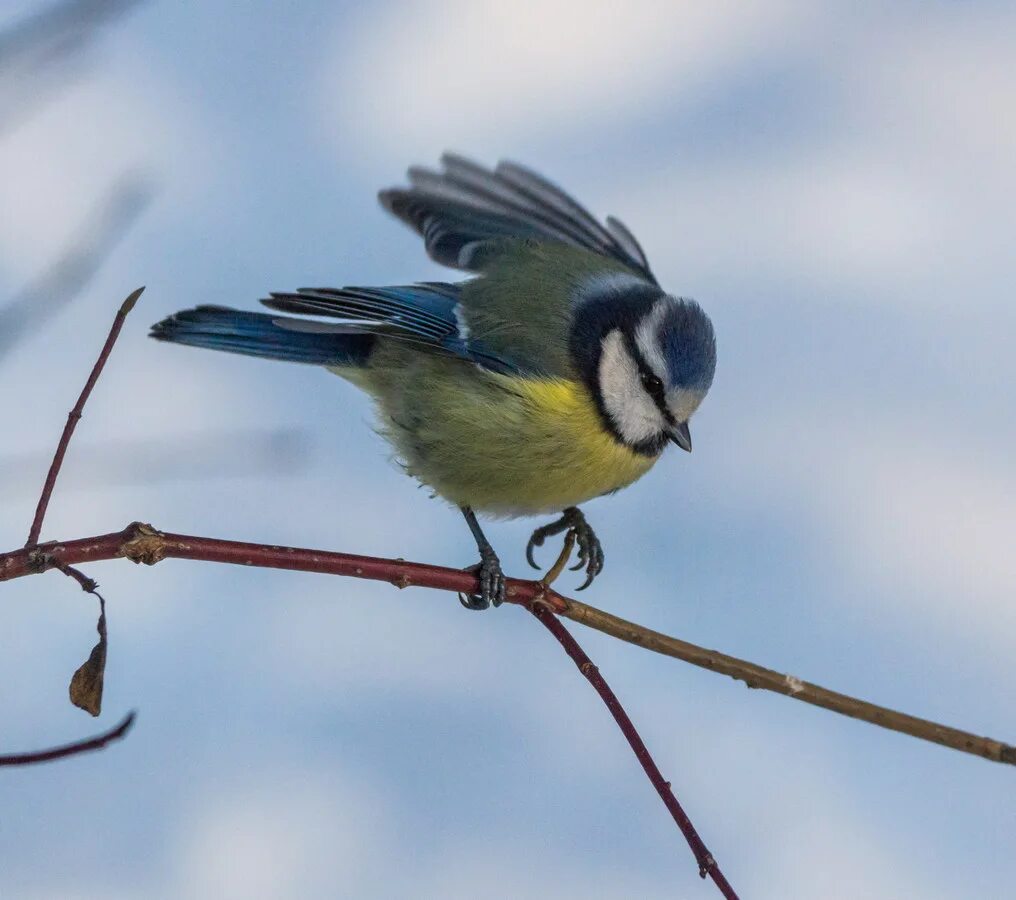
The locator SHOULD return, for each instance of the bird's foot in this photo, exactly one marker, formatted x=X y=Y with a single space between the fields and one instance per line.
x=492 y=584
x=590 y=550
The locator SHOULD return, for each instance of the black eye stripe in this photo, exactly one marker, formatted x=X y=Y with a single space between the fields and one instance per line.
x=654 y=387
x=650 y=380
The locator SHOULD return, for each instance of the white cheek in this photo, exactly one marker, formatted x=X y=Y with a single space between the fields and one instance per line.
x=626 y=402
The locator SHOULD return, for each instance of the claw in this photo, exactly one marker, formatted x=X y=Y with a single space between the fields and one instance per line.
x=590 y=553
x=530 y=547
x=473 y=601
x=492 y=583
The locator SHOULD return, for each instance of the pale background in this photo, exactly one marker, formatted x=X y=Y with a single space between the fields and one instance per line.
x=834 y=183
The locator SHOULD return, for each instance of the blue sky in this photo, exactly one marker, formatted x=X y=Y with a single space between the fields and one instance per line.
x=833 y=183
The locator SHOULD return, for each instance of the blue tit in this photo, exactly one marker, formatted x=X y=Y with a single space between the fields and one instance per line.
x=558 y=373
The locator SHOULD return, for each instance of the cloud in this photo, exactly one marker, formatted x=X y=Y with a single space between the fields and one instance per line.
x=926 y=521
x=899 y=194
x=462 y=73
x=296 y=833
x=60 y=162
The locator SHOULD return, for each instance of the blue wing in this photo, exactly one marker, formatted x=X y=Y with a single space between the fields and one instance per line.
x=423 y=315
x=466 y=212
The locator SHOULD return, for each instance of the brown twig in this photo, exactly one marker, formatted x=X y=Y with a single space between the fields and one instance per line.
x=75 y=414
x=144 y=544
x=554 y=572
x=94 y=743
x=707 y=864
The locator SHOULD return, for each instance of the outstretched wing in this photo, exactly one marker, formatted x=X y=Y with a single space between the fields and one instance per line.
x=465 y=213
x=423 y=315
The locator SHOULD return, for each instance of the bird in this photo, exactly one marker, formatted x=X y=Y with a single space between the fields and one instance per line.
x=557 y=372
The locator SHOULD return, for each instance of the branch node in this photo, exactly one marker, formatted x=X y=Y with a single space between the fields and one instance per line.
x=40 y=561
x=148 y=545
x=706 y=865
x=539 y=600
x=794 y=684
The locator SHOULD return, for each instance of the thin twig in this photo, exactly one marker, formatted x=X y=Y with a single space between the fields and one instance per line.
x=554 y=572
x=706 y=862
x=75 y=414
x=93 y=743
x=143 y=544
x=756 y=676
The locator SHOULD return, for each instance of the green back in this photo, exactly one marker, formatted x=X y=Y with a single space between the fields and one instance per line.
x=521 y=307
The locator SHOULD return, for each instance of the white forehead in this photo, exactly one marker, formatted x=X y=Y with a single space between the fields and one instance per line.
x=610 y=283
x=647 y=339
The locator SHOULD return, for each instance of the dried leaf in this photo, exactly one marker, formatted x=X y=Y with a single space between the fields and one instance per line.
x=86 y=685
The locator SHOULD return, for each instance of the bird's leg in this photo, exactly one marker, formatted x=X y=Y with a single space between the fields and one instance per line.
x=590 y=551
x=489 y=569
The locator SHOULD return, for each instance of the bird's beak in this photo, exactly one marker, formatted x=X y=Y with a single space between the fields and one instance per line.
x=681 y=436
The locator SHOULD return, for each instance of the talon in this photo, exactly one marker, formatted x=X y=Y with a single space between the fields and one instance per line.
x=530 y=547
x=473 y=601
x=492 y=584
x=488 y=569
x=590 y=553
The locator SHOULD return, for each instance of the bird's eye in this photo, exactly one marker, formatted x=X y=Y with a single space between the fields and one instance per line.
x=652 y=384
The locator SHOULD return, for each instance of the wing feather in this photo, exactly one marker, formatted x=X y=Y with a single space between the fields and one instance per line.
x=465 y=212
x=422 y=315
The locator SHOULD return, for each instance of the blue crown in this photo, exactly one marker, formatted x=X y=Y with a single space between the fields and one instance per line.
x=689 y=345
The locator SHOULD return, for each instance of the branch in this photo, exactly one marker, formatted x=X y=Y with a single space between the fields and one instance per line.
x=75 y=414
x=706 y=863
x=141 y=543
x=95 y=743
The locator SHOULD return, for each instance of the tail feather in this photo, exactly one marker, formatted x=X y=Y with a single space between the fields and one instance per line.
x=265 y=336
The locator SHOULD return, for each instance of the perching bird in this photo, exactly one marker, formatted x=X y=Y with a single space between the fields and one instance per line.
x=558 y=374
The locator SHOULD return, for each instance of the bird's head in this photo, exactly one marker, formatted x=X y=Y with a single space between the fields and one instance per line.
x=648 y=359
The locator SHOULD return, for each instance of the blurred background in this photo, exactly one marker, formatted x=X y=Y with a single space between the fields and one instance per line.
x=834 y=183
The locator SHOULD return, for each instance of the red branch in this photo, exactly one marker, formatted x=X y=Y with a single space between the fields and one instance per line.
x=143 y=544
x=707 y=864
x=75 y=414
x=94 y=743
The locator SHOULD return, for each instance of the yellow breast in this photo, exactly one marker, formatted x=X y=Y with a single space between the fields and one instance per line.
x=540 y=447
